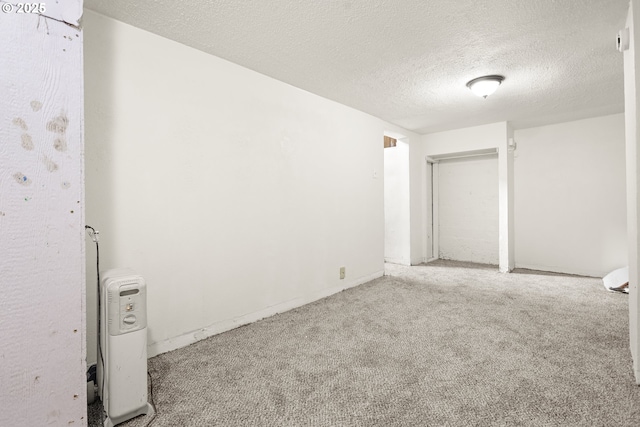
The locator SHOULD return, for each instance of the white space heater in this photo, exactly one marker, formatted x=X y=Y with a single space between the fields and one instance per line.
x=122 y=381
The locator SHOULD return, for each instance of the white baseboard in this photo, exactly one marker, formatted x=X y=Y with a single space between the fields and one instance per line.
x=397 y=261
x=184 y=340
x=552 y=269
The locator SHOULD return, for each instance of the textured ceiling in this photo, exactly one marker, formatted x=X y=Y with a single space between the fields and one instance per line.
x=407 y=61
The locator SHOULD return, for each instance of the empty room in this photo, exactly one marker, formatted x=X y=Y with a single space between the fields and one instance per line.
x=329 y=213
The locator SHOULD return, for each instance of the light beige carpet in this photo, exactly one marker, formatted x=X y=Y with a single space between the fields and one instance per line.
x=444 y=344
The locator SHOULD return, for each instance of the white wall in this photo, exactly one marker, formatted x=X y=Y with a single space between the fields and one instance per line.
x=42 y=342
x=397 y=232
x=570 y=197
x=235 y=195
x=631 y=61
x=468 y=209
x=464 y=140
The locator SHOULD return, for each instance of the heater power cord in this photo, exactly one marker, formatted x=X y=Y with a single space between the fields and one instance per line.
x=95 y=237
x=153 y=404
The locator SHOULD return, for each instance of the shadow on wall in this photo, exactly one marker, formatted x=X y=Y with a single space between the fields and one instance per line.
x=99 y=168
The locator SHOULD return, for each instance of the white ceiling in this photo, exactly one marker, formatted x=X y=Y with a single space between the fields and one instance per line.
x=407 y=61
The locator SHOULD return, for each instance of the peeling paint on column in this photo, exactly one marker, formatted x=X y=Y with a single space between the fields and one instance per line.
x=50 y=164
x=60 y=144
x=21 y=178
x=18 y=121
x=27 y=142
x=58 y=124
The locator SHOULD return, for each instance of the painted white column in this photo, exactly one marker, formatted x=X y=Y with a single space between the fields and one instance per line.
x=505 y=197
x=42 y=273
x=631 y=60
x=418 y=195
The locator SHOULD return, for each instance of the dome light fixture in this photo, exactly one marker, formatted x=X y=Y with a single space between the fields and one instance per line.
x=485 y=85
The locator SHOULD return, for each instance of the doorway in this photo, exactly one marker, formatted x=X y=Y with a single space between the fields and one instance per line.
x=463 y=207
x=397 y=211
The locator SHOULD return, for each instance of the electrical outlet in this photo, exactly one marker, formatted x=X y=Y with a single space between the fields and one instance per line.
x=342 y=273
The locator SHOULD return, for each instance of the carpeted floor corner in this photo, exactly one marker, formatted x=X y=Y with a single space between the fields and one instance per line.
x=442 y=344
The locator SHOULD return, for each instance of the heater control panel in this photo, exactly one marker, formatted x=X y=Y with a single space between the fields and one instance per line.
x=126 y=306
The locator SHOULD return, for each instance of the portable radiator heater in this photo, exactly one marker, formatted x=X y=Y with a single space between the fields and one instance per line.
x=122 y=381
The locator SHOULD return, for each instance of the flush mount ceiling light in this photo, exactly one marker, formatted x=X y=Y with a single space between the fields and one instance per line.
x=486 y=85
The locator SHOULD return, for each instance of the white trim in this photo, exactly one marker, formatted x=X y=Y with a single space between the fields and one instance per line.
x=462 y=154
x=184 y=340
x=551 y=269
x=397 y=261
x=427 y=229
x=435 y=210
